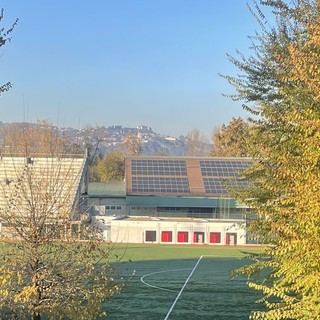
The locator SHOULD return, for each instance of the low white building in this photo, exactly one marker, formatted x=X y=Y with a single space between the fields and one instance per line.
x=171 y=231
x=172 y=201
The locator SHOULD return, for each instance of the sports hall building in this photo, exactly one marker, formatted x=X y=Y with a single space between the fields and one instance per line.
x=173 y=200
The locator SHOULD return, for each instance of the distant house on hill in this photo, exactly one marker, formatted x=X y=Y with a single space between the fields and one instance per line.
x=173 y=200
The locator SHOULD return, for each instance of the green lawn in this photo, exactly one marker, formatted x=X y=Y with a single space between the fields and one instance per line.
x=155 y=274
x=149 y=252
x=143 y=252
x=154 y=285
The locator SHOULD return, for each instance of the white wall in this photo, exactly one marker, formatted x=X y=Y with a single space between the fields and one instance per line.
x=128 y=231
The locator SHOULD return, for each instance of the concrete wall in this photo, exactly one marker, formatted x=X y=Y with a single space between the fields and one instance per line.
x=127 y=231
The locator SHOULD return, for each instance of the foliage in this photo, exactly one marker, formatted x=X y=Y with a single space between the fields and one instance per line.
x=108 y=168
x=231 y=140
x=39 y=138
x=196 y=144
x=55 y=280
x=280 y=84
x=93 y=138
x=47 y=270
x=131 y=145
x=4 y=38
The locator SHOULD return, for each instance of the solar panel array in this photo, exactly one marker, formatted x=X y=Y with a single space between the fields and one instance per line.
x=213 y=185
x=161 y=167
x=218 y=175
x=160 y=184
x=171 y=175
x=159 y=175
x=220 y=186
x=222 y=168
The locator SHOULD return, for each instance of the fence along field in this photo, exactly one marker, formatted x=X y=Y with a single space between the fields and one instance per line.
x=191 y=285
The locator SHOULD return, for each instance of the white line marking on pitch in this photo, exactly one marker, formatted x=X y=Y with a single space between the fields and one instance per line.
x=180 y=292
x=156 y=287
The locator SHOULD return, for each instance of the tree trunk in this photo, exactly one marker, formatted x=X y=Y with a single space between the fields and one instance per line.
x=36 y=316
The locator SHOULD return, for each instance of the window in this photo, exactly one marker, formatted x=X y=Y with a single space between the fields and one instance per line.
x=183 y=236
x=215 y=237
x=198 y=237
x=151 y=236
x=166 y=236
x=118 y=207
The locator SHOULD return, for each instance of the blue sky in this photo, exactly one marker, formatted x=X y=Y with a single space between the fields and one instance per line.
x=123 y=62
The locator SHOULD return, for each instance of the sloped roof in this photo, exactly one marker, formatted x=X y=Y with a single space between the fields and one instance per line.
x=110 y=189
x=40 y=179
x=183 y=176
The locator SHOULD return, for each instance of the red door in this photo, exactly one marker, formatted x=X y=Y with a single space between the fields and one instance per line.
x=166 y=236
x=215 y=237
x=182 y=236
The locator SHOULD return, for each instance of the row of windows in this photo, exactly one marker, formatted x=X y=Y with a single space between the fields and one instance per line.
x=183 y=236
x=190 y=209
x=113 y=208
x=133 y=208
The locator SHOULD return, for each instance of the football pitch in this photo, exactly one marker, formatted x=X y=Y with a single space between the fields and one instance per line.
x=184 y=286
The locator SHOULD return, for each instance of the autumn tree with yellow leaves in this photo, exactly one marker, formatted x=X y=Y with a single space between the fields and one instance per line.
x=197 y=144
x=131 y=145
x=110 y=167
x=52 y=263
x=230 y=140
x=280 y=84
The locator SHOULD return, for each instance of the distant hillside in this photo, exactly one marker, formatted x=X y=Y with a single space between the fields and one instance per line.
x=111 y=138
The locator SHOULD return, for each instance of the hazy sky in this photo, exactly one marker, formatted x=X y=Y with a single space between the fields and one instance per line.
x=123 y=62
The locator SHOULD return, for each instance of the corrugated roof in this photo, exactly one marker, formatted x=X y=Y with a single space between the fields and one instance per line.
x=112 y=188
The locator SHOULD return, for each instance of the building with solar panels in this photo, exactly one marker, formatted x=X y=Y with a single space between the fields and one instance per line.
x=173 y=200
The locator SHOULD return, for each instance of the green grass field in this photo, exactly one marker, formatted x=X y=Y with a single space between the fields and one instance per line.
x=170 y=282
x=143 y=252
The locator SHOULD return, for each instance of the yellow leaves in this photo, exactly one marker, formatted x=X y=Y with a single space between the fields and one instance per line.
x=66 y=277
x=303 y=62
x=5 y=275
x=64 y=214
x=289 y=182
x=27 y=294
